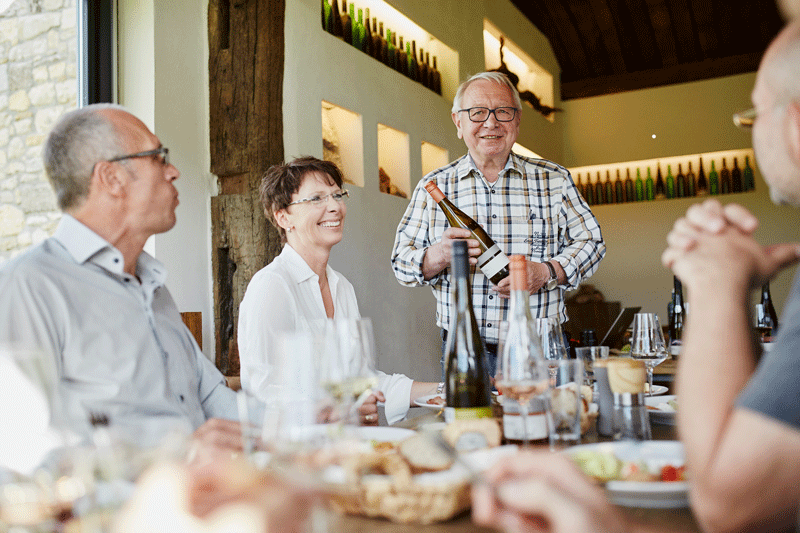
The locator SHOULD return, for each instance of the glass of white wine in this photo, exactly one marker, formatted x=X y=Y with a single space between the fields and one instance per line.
x=348 y=364
x=553 y=346
x=647 y=344
x=521 y=372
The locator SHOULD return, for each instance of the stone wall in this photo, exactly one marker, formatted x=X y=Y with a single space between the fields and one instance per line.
x=38 y=83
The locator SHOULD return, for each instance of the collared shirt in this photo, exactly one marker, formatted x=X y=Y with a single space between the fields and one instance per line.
x=533 y=209
x=284 y=296
x=118 y=345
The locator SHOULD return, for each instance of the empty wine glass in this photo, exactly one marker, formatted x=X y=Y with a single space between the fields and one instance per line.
x=553 y=347
x=647 y=344
x=521 y=374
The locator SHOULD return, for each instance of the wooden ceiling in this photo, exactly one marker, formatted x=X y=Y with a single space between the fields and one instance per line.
x=611 y=46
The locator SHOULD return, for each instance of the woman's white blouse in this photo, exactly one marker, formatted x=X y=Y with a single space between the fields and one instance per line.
x=284 y=296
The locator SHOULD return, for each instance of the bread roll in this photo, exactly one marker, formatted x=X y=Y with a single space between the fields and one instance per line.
x=424 y=455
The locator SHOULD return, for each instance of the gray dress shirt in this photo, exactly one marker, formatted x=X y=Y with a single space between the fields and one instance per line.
x=117 y=343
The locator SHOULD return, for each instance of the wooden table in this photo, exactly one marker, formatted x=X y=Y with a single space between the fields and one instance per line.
x=665 y=519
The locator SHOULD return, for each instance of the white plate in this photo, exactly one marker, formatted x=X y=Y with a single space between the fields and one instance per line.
x=384 y=434
x=422 y=401
x=647 y=494
x=659 y=389
x=663 y=414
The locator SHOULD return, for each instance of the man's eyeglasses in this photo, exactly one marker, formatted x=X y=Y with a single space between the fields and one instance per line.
x=162 y=152
x=481 y=114
x=317 y=200
x=745 y=119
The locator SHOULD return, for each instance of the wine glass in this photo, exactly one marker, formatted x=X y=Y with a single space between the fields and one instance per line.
x=348 y=364
x=553 y=347
x=521 y=374
x=647 y=344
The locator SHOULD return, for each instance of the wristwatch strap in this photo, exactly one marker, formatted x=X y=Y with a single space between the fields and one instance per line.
x=552 y=270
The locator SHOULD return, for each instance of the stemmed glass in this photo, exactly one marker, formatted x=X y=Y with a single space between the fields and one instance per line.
x=553 y=347
x=647 y=344
x=347 y=370
x=521 y=374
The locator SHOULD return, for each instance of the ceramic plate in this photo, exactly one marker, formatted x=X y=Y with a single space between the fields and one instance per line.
x=422 y=401
x=660 y=411
x=648 y=494
x=659 y=389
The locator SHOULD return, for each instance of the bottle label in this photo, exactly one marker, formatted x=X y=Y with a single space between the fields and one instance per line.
x=466 y=413
x=536 y=424
x=492 y=261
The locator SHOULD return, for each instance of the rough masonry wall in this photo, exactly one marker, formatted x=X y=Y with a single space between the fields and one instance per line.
x=38 y=83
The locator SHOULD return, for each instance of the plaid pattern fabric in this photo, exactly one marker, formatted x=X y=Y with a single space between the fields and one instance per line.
x=533 y=209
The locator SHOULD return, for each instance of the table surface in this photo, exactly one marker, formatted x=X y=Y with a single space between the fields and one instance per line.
x=666 y=519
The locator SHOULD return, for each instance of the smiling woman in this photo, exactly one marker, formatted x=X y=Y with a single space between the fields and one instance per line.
x=298 y=291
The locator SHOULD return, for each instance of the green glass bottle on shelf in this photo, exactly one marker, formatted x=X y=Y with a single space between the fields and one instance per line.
x=599 y=193
x=736 y=177
x=713 y=180
x=402 y=58
x=336 y=20
x=423 y=69
x=347 y=24
x=377 y=51
x=358 y=29
x=413 y=66
x=619 y=190
x=670 y=183
x=649 y=187
x=661 y=189
x=384 y=45
x=353 y=26
x=326 y=14
x=608 y=189
x=691 y=183
x=630 y=189
x=680 y=183
x=725 y=185
x=366 y=36
x=747 y=175
x=639 y=186
x=702 y=183
x=390 y=55
x=437 y=78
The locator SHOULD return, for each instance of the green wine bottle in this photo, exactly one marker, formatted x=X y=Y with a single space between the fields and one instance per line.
x=670 y=183
x=680 y=183
x=725 y=186
x=649 y=189
x=748 y=176
x=691 y=183
x=639 y=186
x=713 y=180
x=736 y=177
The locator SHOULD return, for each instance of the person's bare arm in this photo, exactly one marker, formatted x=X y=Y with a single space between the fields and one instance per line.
x=732 y=453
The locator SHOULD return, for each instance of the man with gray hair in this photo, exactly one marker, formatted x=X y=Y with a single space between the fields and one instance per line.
x=94 y=303
x=528 y=206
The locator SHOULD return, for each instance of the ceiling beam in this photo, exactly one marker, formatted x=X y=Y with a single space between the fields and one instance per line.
x=700 y=70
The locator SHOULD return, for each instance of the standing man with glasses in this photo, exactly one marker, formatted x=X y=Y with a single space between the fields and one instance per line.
x=529 y=207
x=90 y=299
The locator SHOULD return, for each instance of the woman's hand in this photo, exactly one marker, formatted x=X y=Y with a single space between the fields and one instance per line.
x=368 y=412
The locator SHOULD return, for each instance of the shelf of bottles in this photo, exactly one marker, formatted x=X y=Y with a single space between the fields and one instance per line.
x=342 y=141
x=433 y=157
x=716 y=173
x=393 y=153
x=393 y=43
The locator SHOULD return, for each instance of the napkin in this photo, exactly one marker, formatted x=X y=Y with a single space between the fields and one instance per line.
x=626 y=375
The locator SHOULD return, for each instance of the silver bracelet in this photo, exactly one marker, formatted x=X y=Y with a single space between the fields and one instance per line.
x=440 y=388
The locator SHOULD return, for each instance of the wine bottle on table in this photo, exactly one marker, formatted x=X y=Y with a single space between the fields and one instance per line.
x=769 y=310
x=725 y=185
x=691 y=182
x=680 y=183
x=630 y=189
x=702 y=183
x=748 y=176
x=492 y=261
x=736 y=177
x=670 y=183
x=521 y=344
x=649 y=189
x=676 y=317
x=639 y=186
x=713 y=180
x=467 y=384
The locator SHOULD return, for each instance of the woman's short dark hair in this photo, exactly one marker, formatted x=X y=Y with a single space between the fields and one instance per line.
x=282 y=181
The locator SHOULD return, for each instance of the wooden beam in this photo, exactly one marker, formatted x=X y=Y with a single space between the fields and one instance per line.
x=662 y=28
x=605 y=21
x=701 y=70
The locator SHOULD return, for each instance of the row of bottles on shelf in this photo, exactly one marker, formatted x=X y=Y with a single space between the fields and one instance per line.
x=369 y=38
x=681 y=186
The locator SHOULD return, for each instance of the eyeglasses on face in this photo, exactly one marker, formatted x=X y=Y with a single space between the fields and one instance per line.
x=162 y=152
x=481 y=114
x=745 y=119
x=317 y=200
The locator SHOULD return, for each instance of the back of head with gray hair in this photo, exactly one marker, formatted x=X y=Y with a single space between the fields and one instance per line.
x=495 y=77
x=79 y=139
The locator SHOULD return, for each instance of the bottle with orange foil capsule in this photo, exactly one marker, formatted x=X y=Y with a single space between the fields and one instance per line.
x=492 y=261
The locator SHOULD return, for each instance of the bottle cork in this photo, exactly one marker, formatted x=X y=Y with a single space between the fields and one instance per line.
x=626 y=375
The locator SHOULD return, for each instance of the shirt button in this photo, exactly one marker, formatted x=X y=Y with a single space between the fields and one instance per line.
x=492 y=191
x=491 y=296
x=116 y=259
x=494 y=216
x=127 y=279
x=488 y=325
